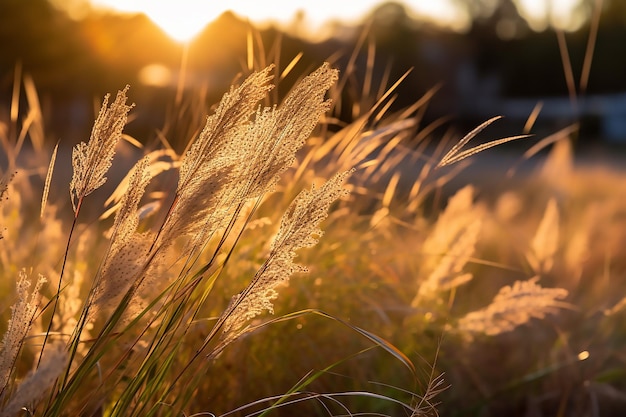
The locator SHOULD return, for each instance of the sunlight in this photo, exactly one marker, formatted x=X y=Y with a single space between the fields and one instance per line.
x=156 y=75
x=184 y=19
x=583 y=355
x=181 y=19
x=561 y=14
x=444 y=13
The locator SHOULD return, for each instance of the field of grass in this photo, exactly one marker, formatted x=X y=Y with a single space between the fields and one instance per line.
x=426 y=293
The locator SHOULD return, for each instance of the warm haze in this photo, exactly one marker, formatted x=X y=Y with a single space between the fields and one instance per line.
x=183 y=19
x=255 y=223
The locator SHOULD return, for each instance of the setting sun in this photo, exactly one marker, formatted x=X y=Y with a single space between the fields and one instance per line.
x=184 y=19
x=181 y=20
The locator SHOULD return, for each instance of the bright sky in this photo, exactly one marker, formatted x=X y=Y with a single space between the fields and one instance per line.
x=182 y=19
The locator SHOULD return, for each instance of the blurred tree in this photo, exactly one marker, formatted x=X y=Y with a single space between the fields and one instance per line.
x=395 y=34
x=501 y=17
x=86 y=58
x=33 y=33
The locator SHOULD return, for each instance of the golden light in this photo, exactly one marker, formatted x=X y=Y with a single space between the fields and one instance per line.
x=180 y=19
x=156 y=75
x=562 y=14
x=183 y=19
x=583 y=355
x=443 y=13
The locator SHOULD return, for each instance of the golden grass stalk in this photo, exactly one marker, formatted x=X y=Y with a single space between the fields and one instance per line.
x=4 y=188
x=35 y=385
x=455 y=154
x=46 y=187
x=22 y=315
x=129 y=249
x=207 y=181
x=238 y=157
x=90 y=163
x=617 y=308
x=92 y=160
x=280 y=133
x=299 y=228
x=449 y=273
x=546 y=241
x=450 y=245
x=213 y=179
x=513 y=306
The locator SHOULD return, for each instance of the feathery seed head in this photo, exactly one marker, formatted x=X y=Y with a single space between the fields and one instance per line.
x=207 y=182
x=92 y=160
x=127 y=218
x=120 y=271
x=546 y=241
x=213 y=181
x=234 y=109
x=299 y=228
x=281 y=132
x=38 y=382
x=22 y=314
x=513 y=306
x=450 y=245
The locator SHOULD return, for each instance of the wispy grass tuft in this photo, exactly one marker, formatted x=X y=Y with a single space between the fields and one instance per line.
x=455 y=154
x=140 y=307
x=545 y=243
x=22 y=315
x=513 y=306
x=450 y=245
x=298 y=229
x=162 y=306
x=92 y=160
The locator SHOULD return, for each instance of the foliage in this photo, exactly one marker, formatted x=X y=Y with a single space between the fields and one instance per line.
x=156 y=303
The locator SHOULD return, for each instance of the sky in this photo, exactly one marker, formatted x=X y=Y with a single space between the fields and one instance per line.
x=182 y=19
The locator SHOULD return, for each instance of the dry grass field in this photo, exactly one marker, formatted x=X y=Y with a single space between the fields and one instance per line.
x=200 y=283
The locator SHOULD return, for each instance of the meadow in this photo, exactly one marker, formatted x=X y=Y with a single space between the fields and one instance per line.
x=286 y=263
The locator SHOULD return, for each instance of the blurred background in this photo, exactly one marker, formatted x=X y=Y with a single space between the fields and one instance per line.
x=565 y=58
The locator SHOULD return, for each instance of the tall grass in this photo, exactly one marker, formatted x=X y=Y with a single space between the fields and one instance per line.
x=157 y=302
x=126 y=317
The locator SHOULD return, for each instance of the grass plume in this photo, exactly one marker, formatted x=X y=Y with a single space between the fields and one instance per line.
x=160 y=307
x=22 y=315
x=299 y=228
x=92 y=160
x=513 y=306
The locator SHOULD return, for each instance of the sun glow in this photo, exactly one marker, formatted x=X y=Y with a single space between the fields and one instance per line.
x=180 y=19
x=184 y=19
x=562 y=14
